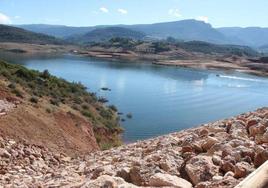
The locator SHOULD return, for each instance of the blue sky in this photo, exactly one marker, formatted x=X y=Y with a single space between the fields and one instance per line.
x=102 y=12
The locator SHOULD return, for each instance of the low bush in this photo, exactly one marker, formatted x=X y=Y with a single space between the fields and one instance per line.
x=34 y=100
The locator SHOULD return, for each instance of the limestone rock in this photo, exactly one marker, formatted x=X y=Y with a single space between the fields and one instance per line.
x=4 y=153
x=252 y=122
x=107 y=181
x=255 y=130
x=162 y=180
x=242 y=169
x=208 y=143
x=227 y=166
x=216 y=160
x=260 y=158
x=201 y=168
x=136 y=177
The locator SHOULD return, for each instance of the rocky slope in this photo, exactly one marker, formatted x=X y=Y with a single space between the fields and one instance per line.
x=219 y=154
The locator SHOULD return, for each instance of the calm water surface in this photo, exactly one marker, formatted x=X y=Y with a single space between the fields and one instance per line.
x=161 y=99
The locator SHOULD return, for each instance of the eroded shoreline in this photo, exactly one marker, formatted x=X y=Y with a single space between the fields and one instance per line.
x=186 y=60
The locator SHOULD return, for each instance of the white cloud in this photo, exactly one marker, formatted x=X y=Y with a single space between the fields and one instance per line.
x=4 y=19
x=202 y=18
x=104 y=10
x=17 y=17
x=122 y=11
x=174 y=12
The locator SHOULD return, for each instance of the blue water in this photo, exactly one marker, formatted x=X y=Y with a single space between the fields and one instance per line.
x=161 y=99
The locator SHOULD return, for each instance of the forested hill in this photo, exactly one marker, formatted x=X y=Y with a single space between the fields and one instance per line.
x=14 y=34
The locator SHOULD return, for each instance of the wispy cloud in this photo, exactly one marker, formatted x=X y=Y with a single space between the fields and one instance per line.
x=122 y=11
x=104 y=10
x=4 y=19
x=174 y=12
x=202 y=18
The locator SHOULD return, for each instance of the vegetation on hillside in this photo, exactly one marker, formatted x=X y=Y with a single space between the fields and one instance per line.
x=33 y=86
x=170 y=44
x=14 y=34
x=208 y=48
x=105 y=34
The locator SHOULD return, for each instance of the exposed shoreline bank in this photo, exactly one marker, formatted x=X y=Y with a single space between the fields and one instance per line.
x=209 y=65
x=196 y=61
x=241 y=65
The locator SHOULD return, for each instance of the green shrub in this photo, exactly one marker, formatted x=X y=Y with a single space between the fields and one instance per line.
x=106 y=114
x=48 y=110
x=12 y=86
x=78 y=100
x=103 y=100
x=54 y=102
x=34 y=100
x=85 y=106
x=45 y=74
x=75 y=107
x=87 y=113
x=113 y=107
x=106 y=145
x=17 y=92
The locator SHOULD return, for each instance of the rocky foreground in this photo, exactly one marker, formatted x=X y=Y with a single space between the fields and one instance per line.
x=219 y=154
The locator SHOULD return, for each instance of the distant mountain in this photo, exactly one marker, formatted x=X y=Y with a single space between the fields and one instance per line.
x=14 y=34
x=209 y=48
x=252 y=36
x=263 y=49
x=187 y=30
x=105 y=34
x=59 y=31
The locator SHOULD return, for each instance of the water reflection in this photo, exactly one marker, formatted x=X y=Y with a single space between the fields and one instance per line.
x=24 y=57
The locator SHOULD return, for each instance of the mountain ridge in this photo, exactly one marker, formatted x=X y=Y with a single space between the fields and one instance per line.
x=105 y=34
x=252 y=36
x=186 y=30
x=15 y=34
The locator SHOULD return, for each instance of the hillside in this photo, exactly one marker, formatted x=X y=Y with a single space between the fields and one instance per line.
x=18 y=35
x=59 y=31
x=186 y=30
x=45 y=110
x=219 y=154
x=252 y=36
x=105 y=34
x=173 y=48
x=209 y=48
x=264 y=49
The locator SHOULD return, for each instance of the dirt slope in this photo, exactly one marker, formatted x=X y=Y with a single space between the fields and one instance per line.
x=59 y=130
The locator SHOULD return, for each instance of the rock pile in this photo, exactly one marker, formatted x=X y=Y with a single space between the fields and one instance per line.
x=219 y=154
x=7 y=105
